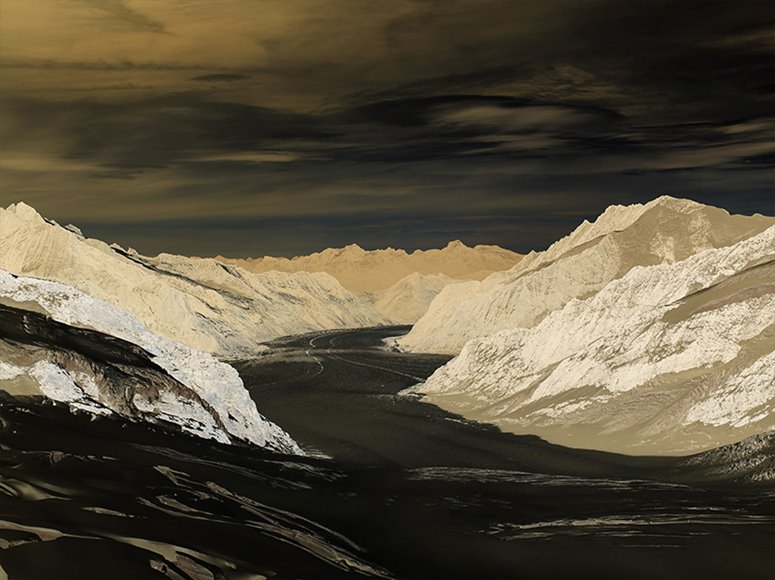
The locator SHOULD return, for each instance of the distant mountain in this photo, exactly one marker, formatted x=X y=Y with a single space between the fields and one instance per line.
x=665 y=230
x=669 y=358
x=373 y=270
x=200 y=302
x=60 y=343
x=408 y=299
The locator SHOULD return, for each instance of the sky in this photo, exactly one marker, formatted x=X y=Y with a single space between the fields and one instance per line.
x=281 y=127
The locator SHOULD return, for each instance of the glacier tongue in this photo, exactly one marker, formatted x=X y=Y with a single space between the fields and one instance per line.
x=673 y=357
x=228 y=411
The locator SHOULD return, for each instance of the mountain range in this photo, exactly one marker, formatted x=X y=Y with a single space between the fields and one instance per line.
x=664 y=230
x=670 y=358
x=223 y=308
x=362 y=270
x=649 y=330
x=199 y=302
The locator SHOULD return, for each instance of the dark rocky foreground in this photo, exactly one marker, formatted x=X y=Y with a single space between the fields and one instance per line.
x=410 y=491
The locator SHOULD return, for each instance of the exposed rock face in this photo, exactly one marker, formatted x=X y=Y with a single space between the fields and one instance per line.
x=199 y=302
x=669 y=358
x=58 y=342
x=666 y=230
x=375 y=270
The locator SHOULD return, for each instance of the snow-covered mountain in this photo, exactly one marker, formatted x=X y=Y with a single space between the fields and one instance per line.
x=408 y=299
x=362 y=270
x=669 y=358
x=58 y=342
x=665 y=230
x=200 y=302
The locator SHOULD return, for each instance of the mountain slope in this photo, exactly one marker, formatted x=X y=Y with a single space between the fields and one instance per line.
x=665 y=230
x=751 y=460
x=199 y=302
x=370 y=271
x=670 y=358
x=66 y=345
x=408 y=299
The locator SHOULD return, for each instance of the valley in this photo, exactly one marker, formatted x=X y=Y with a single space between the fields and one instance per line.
x=339 y=395
x=410 y=289
x=399 y=488
x=609 y=399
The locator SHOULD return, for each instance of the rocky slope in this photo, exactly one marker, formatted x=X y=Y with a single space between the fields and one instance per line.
x=669 y=358
x=199 y=302
x=374 y=270
x=58 y=342
x=751 y=460
x=665 y=230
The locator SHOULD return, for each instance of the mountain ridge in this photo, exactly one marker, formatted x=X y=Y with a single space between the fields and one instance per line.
x=576 y=266
x=692 y=341
x=93 y=356
x=362 y=270
x=199 y=302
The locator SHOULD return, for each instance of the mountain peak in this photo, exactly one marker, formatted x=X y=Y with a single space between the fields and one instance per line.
x=24 y=211
x=353 y=249
x=676 y=203
x=454 y=245
x=75 y=229
x=619 y=217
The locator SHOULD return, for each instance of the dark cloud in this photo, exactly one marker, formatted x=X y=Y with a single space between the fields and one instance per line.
x=155 y=131
x=120 y=64
x=404 y=124
x=218 y=77
x=124 y=13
